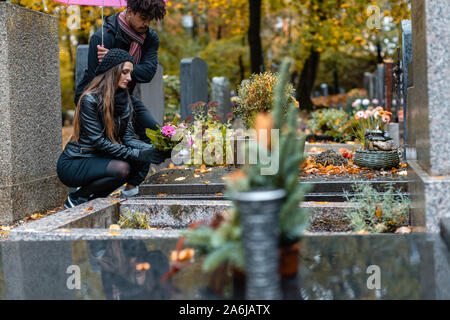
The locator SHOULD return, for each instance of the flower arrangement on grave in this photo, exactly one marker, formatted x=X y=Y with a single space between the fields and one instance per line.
x=208 y=134
x=331 y=122
x=379 y=150
x=257 y=95
x=221 y=240
x=372 y=121
x=165 y=138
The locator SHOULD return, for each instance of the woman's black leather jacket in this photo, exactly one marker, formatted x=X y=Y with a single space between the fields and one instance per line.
x=92 y=138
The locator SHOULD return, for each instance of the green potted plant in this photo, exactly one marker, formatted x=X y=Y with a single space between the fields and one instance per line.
x=222 y=241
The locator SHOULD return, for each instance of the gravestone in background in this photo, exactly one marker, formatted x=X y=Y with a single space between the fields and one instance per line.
x=379 y=85
x=324 y=89
x=193 y=84
x=81 y=62
x=406 y=58
x=152 y=94
x=30 y=113
x=429 y=111
x=220 y=92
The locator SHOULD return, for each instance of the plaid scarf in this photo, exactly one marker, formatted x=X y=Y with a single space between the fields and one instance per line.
x=137 y=40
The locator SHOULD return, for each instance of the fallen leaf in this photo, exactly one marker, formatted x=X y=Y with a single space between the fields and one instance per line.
x=185 y=254
x=36 y=216
x=203 y=167
x=361 y=232
x=180 y=179
x=219 y=194
x=324 y=202
x=403 y=230
x=114 y=227
x=66 y=230
x=197 y=170
x=206 y=182
x=438 y=177
x=153 y=170
x=163 y=175
x=89 y=209
x=196 y=175
x=171 y=165
x=161 y=195
x=143 y=266
x=113 y=201
x=403 y=165
x=114 y=233
x=378 y=211
x=5 y=228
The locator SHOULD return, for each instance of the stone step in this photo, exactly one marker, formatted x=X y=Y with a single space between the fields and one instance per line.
x=176 y=213
x=322 y=190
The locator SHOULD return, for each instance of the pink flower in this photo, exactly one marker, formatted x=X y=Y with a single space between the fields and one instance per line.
x=191 y=142
x=366 y=115
x=359 y=115
x=168 y=131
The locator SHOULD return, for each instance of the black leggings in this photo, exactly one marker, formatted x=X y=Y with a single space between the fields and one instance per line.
x=99 y=176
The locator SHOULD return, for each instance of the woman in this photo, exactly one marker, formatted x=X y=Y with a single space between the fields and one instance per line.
x=103 y=153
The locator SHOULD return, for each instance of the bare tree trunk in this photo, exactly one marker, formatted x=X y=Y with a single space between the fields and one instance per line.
x=254 y=39
x=306 y=81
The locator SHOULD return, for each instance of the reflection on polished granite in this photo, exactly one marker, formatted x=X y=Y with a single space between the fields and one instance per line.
x=414 y=266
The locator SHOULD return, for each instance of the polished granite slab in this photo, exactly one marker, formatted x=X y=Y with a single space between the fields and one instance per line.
x=414 y=266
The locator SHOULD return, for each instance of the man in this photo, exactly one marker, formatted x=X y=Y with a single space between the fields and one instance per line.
x=129 y=30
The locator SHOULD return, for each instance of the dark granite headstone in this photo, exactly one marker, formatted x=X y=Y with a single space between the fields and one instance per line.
x=220 y=92
x=152 y=94
x=324 y=89
x=81 y=62
x=193 y=83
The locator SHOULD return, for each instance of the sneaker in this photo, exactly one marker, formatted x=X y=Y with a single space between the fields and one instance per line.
x=70 y=202
x=129 y=193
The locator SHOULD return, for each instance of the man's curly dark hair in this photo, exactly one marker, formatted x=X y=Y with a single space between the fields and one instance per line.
x=155 y=9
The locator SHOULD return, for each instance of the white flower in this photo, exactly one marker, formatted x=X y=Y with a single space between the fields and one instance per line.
x=375 y=101
x=358 y=102
x=366 y=102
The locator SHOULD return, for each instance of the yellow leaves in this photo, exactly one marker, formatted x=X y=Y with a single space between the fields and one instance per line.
x=36 y=216
x=219 y=194
x=171 y=165
x=113 y=201
x=378 y=211
x=182 y=255
x=114 y=229
x=437 y=177
x=345 y=5
x=161 y=195
x=143 y=266
x=65 y=230
x=361 y=232
x=206 y=182
x=89 y=209
x=323 y=202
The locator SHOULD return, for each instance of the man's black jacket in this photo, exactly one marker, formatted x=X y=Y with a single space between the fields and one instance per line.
x=113 y=37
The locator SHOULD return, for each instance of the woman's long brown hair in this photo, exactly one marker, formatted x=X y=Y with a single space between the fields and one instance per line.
x=104 y=86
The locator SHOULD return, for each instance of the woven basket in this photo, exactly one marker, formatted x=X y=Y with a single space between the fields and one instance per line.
x=376 y=159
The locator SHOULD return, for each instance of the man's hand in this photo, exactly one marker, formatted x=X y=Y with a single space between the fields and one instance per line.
x=101 y=51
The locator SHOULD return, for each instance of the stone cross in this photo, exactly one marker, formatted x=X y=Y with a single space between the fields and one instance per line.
x=220 y=92
x=193 y=84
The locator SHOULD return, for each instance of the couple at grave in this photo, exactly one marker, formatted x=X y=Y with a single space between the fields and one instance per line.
x=103 y=153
